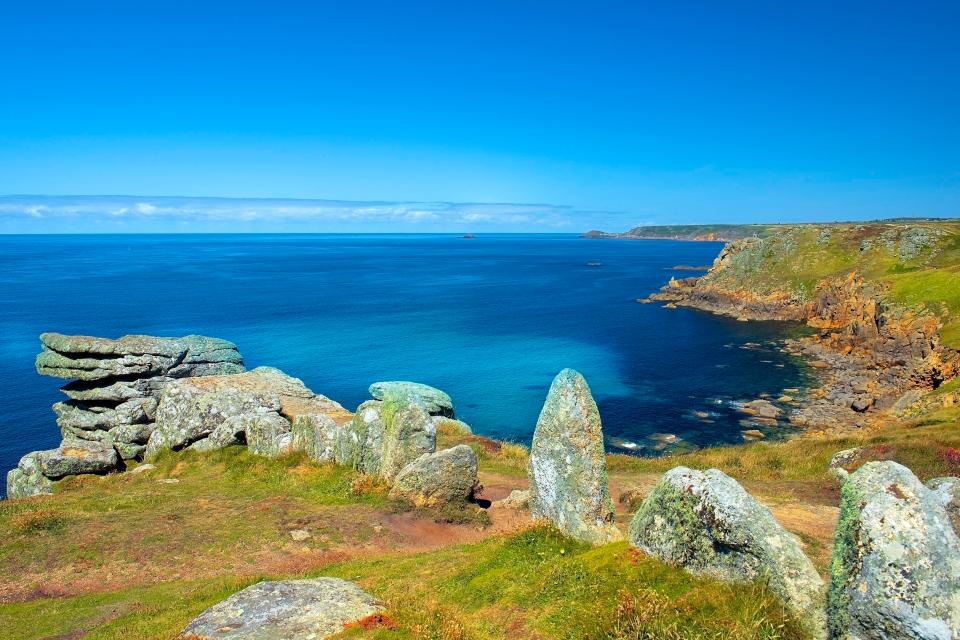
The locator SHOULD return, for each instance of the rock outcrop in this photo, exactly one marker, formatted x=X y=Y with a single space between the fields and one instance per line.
x=290 y=609
x=113 y=399
x=444 y=477
x=895 y=569
x=436 y=401
x=874 y=349
x=271 y=412
x=568 y=477
x=708 y=524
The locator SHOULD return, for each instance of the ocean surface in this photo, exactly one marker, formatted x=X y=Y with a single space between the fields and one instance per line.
x=489 y=320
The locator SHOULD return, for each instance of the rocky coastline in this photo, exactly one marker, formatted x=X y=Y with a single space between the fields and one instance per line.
x=874 y=359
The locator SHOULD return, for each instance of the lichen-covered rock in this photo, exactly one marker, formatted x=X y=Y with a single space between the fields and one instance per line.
x=130 y=450
x=360 y=444
x=568 y=476
x=92 y=358
x=408 y=432
x=27 y=479
x=444 y=477
x=132 y=433
x=706 y=523
x=268 y=434
x=842 y=459
x=74 y=457
x=189 y=411
x=257 y=407
x=72 y=414
x=518 y=499
x=436 y=401
x=895 y=570
x=290 y=609
x=317 y=434
x=947 y=491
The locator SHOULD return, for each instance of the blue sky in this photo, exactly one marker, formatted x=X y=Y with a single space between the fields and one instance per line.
x=551 y=116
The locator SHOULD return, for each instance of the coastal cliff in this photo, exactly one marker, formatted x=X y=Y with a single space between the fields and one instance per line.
x=883 y=299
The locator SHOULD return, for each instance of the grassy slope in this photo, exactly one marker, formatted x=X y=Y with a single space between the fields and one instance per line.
x=229 y=531
x=234 y=511
x=797 y=257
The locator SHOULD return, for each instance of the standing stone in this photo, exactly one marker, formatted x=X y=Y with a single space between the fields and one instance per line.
x=568 y=476
x=437 y=402
x=444 y=477
x=27 y=478
x=708 y=524
x=895 y=570
x=408 y=432
x=288 y=610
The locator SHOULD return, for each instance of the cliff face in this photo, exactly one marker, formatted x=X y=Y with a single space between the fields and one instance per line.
x=872 y=292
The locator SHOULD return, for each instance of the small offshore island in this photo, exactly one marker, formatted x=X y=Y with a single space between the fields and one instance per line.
x=194 y=498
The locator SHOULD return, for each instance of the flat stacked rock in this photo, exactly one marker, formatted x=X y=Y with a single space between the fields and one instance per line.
x=568 y=475
x=271 y=412
x=112 y=406
x=288 y=609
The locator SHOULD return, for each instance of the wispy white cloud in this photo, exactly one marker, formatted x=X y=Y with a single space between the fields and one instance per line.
x=183 y=213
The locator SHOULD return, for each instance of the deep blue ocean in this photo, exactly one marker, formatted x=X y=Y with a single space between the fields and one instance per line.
x=489 y=320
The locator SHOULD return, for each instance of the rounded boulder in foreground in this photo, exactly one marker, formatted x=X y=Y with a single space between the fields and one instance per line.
x=289 y=609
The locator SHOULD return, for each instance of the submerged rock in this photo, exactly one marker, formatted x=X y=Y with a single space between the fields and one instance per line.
x=437 y=402
x=708 y=524
x=568 y=476
x=447 y=476
x=27 y=478
x=290 y=609
x=895 y=570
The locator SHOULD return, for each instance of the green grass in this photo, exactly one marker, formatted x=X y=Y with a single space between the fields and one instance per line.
x=792 y=260
x=535 y=583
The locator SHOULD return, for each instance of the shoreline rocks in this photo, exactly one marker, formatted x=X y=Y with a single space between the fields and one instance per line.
x=568 y=477
x=708 y=524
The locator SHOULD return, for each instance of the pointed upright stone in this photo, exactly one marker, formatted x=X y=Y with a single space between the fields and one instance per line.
x=568 y=475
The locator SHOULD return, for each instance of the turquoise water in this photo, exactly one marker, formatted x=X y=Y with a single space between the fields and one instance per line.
x=489 y=320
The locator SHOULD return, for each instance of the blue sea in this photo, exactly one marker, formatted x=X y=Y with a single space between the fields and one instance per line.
x=490 y=320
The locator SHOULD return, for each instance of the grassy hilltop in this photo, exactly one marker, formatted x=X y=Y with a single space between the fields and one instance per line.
x=914 y=264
